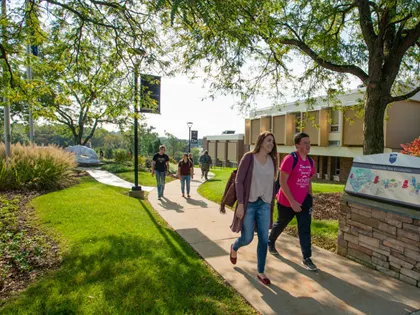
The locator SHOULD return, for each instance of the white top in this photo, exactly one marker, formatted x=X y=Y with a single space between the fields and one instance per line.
x=262 y=181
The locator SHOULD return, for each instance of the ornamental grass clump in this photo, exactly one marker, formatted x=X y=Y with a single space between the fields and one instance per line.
x=35 y=167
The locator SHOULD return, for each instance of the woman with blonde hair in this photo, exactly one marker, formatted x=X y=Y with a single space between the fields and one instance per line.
x=255 y=192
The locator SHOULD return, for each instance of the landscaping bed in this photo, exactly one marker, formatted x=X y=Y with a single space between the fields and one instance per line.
x=25 y=251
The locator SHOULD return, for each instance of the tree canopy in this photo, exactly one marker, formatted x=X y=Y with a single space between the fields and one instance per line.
x=247 y=46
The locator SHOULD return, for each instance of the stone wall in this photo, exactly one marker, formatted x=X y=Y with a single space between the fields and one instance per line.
x=381 y=239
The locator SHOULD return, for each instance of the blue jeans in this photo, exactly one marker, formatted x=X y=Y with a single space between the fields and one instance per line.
x=257 y=211
x=185 y=179
x=160 y=180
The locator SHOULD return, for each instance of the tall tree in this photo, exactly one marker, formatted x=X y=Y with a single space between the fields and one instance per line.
x=90 y=91
x=376 y=41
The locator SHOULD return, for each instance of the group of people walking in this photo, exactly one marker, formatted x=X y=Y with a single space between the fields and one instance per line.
x=255 y=188
x=160 y=167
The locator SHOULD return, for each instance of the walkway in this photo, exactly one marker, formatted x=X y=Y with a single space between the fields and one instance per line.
x=340 y=287
x=108 y=178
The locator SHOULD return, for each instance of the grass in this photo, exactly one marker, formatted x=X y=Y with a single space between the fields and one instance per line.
x=119 y=257
x=324 y=232
x=214 y=188
x=145 y=178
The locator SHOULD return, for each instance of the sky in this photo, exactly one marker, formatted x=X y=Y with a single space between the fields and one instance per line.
x=182 y=102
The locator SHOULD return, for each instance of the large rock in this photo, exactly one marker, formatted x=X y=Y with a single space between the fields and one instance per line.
x=84 y=155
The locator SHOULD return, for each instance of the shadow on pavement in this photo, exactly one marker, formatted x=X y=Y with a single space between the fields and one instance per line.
x=195 y=202
x=170 y=205
x=352 y=295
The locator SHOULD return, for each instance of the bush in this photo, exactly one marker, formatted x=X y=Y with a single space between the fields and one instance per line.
x=34 y=167
x=412 y=148
x=121 y=156
x=108 y=153
x=118 y=168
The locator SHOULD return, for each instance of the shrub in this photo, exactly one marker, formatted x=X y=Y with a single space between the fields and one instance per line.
x=35 y=167
x=121 y=156
x=108 y=153
x=118 y=168
x=412 y=148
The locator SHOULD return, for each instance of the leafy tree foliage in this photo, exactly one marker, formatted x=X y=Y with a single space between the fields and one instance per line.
x=247 y=48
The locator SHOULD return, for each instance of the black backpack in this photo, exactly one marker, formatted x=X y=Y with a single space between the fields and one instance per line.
x=295 y=160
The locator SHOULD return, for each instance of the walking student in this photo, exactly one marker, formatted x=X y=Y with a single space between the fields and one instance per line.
x=255 y=193
x=160 y=166
x=205 y=164
x=295 y=198
x=185 y=174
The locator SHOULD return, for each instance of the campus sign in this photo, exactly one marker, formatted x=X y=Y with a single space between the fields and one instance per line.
x=390 y=177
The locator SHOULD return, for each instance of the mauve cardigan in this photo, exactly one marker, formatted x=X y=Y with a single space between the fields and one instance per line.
x=243 y=186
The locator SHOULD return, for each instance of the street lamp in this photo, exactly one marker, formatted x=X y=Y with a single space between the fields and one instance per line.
x=189 y=124
x=136 y=189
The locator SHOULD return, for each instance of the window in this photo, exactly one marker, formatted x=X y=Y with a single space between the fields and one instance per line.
x=335 y=120
x=334 y=143
x=335 y=165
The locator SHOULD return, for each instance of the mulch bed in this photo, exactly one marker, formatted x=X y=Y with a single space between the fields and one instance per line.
x=326 y=206
x=16 y=280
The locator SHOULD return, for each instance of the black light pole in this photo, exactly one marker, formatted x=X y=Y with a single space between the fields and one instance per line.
x=136 y=135
x=189 y=124
x=136 y=190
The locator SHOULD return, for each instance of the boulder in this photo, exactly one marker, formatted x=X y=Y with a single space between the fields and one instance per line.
x=84 y=156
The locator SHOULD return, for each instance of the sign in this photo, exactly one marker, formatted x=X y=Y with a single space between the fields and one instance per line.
x=194 y=136
x=149 y=94
x=393 y=178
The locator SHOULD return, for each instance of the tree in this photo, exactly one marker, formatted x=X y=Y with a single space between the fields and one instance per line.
x=376 y=41
x=173 y=144
x=88 y=92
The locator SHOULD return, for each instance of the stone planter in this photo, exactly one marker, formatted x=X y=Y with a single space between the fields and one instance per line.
x=381 y=236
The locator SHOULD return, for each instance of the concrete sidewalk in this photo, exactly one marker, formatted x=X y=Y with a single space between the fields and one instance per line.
x=108 y=178
x=340 y=287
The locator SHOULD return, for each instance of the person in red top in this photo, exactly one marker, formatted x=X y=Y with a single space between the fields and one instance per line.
x=295 y=198
x=185 y=173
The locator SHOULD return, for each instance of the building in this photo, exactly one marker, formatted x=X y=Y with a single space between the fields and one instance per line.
x=336 y=132
x=227 y=149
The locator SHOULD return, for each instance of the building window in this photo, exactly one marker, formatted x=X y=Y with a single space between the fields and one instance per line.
x=335 y=120
x=335 y=165
x=334 y=143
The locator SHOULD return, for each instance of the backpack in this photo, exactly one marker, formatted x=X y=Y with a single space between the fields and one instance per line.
x=295 y=161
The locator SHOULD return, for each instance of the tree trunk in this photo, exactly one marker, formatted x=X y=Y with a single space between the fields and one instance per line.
x=373 y=127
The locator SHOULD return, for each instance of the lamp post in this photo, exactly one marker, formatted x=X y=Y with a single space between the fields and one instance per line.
x=136 y=190
x=189 y=124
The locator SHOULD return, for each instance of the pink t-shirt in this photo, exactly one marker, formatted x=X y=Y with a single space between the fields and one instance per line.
x=298 y=180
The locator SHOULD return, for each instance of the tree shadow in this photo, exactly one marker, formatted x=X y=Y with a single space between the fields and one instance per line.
x=170 y=205
x=282 y=302
x=367 y=302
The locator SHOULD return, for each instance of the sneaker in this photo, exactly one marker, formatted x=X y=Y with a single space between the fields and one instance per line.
x=309 y=264
x=159 y=198
x=188 y=196
x=272 y=249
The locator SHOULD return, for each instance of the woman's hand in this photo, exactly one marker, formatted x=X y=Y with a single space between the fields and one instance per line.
x=240 y=211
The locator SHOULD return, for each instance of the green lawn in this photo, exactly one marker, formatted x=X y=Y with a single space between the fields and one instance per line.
x=324 y=232
x=119 y=257
x=145 y=178
x=214 y=188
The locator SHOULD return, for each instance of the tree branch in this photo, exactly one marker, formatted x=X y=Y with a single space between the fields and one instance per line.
x=366 y=23
x=351 y=69
x=405 y=96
